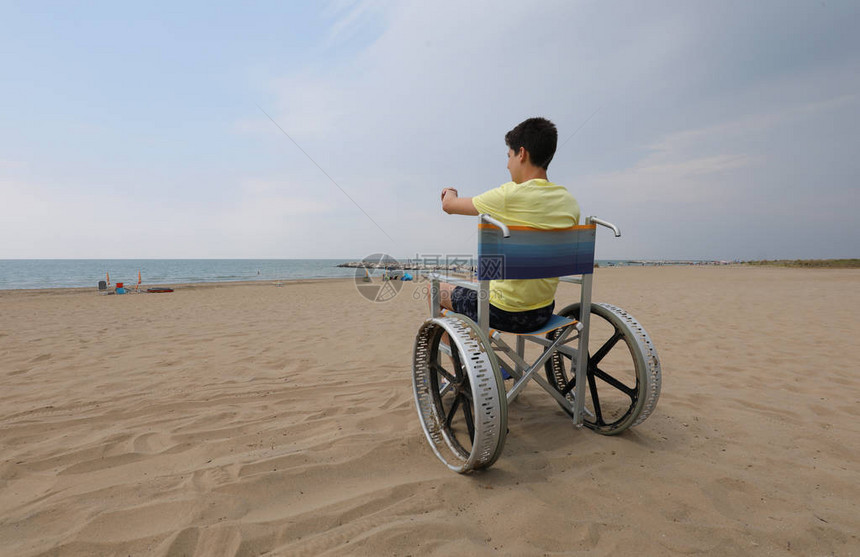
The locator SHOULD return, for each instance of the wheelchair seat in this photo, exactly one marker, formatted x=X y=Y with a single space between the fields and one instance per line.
x=555 y=322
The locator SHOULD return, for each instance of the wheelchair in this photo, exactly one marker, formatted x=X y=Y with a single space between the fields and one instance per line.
x=464 y=383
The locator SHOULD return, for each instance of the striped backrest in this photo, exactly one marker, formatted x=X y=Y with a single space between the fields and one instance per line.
x=531 y=253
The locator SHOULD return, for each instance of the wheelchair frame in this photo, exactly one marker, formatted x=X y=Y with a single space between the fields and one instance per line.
x=477 y=385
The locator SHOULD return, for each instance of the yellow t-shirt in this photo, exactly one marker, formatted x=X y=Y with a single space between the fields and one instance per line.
x=538 y=204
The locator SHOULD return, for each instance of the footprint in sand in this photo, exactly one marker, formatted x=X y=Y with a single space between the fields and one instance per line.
x=152 y=443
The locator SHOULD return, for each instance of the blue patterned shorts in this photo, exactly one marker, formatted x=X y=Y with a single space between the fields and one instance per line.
x=465 y=301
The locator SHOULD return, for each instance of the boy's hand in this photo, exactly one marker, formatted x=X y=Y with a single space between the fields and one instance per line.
x=453 y=204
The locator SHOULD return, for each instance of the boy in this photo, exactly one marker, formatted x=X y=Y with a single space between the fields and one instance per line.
x=529 y=199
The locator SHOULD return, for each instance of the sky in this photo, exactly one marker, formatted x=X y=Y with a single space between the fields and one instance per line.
x=704 y=130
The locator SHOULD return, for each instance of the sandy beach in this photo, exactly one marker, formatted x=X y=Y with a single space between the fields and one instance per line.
x=255 y=419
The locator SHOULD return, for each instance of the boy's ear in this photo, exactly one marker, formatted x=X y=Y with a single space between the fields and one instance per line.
x=523 y=155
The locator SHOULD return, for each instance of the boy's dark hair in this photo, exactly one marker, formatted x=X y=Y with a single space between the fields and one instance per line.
x=538 y=136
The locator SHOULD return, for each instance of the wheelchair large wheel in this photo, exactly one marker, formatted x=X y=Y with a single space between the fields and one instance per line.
x=623 y=375
x=459 y=393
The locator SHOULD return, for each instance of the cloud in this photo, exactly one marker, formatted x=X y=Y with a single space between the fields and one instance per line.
x=350 y=17
x=737 y=189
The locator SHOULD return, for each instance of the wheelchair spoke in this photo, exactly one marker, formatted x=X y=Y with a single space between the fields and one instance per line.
x=595 y=398
x=572 y=383
x=597 y=372
x=569 y=387
x=453 y=410
x=458 y=367
x=443 y=372
x=607 y=346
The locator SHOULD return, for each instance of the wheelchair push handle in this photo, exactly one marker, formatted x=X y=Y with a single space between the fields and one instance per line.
x=607 y=224
x=497 y=223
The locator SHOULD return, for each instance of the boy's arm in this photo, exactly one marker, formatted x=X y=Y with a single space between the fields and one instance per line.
x=454 y=205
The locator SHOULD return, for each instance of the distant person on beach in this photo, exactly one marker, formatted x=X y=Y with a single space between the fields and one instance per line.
x=529 y=199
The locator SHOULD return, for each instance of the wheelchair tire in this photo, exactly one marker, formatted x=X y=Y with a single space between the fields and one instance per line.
x=460 y=396
x=623 y=378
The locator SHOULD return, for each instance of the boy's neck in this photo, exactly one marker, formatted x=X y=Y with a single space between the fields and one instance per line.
x=533 y=173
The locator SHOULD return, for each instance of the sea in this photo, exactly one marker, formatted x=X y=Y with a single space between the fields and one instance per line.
x=77 y=273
